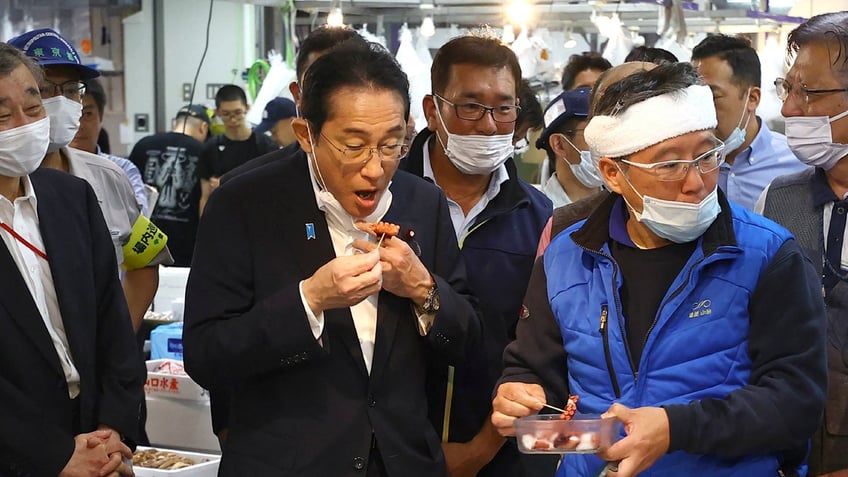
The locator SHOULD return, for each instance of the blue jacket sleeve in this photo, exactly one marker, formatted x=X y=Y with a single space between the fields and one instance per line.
x=782 y=405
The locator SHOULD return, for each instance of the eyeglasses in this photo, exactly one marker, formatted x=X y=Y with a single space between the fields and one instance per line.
x=677 y=170
x=231 y=114
x=785 y=88
x=362 y=154
x=70 y=89
x=475 y=111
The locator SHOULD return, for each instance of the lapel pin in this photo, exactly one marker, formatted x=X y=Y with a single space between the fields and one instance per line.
x=310 y=231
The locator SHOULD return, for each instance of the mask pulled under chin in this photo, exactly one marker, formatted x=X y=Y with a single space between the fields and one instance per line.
x=64 y=117
x=22 y=148
x=810 y=138
x=334 y=212
x=476 y=154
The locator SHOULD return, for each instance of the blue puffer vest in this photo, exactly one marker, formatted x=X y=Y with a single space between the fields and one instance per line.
x=696 y=349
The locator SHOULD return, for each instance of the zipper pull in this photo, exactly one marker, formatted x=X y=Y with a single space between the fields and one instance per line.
x=604 y=315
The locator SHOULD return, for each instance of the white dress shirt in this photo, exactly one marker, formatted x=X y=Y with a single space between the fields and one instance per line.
x=462 y=223
x=22 y=217
x=364 y=313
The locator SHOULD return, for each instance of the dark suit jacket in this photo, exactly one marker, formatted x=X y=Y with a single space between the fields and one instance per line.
x=36 y=414
x=301 y=408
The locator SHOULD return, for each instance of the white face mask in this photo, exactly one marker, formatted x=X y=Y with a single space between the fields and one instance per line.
x=64 y=117
x=585 y=171
x=476 y=154
x=334 y=212
x=522 y=146
x=811 y=139
x=737 y=137
x=22 y=149
x=679 y=222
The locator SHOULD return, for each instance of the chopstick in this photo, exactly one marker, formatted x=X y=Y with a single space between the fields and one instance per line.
x=561 y=411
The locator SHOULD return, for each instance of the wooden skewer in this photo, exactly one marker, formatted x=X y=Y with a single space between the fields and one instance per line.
x=380 y=242
x=561 y=411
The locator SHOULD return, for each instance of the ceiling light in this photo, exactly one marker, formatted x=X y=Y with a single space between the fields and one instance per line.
x=335 y=18
x=518 y=12
x=428 y=29
x=570 y=41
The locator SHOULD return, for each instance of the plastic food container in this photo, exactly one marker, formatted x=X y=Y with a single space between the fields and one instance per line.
x=205 y=465
x=583 y=434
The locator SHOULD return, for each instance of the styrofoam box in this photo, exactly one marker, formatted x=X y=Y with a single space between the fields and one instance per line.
x=172 y=386
x=206 y=465
x=172 y=285
x=180 y=424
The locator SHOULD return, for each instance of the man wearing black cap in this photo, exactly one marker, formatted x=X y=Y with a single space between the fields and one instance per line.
x=132 y=233
x=574 y=175
x=276 y=118
x=168 y=162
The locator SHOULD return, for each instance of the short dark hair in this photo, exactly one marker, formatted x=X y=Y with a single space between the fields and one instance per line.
x=641 y=85
x=737 y=52
x=650 y=55
x=321 y=39
x=11 y=58
x=531 y=111
x=473 y=49
x=588 y=60
x=828 y=28
x=230 y=92
x=371 y=66
x=94 y=89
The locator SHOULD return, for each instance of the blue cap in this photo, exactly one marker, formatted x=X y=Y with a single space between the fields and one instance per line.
x=573 y=103
x=49 y=48
x=276 y=110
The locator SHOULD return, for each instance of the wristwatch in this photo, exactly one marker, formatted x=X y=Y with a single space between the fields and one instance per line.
x=431 y=303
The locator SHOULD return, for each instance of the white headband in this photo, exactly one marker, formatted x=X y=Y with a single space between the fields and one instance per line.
x=652 y=121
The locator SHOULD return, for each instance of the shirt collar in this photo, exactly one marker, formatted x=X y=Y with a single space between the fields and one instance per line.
x=27 y=196
x=553 y=189
x=761 y=143
x=822 y=193
x=618 y=224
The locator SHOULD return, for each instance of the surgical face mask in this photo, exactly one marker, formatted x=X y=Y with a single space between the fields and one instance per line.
x=679 y=222
x=22 y=148
x=334 y=212
x=585 y=171
x=737 y=137
x=811 y=139
x=476 y=154
x=522 y=146
x=64 y=117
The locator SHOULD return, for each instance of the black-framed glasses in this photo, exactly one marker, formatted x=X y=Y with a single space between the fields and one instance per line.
x=507 y=113
x=71 y=89
x=360 y=155
x=232 y=114
x=784 y=89
x=677 y=170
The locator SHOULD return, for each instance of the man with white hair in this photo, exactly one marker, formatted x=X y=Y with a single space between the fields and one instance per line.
x=662 y=309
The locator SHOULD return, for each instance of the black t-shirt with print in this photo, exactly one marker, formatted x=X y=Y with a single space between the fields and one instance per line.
x=169 y=162
x=221 y=154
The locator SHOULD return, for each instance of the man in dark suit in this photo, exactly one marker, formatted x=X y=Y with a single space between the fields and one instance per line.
x=70 y=378
x=324 y=335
